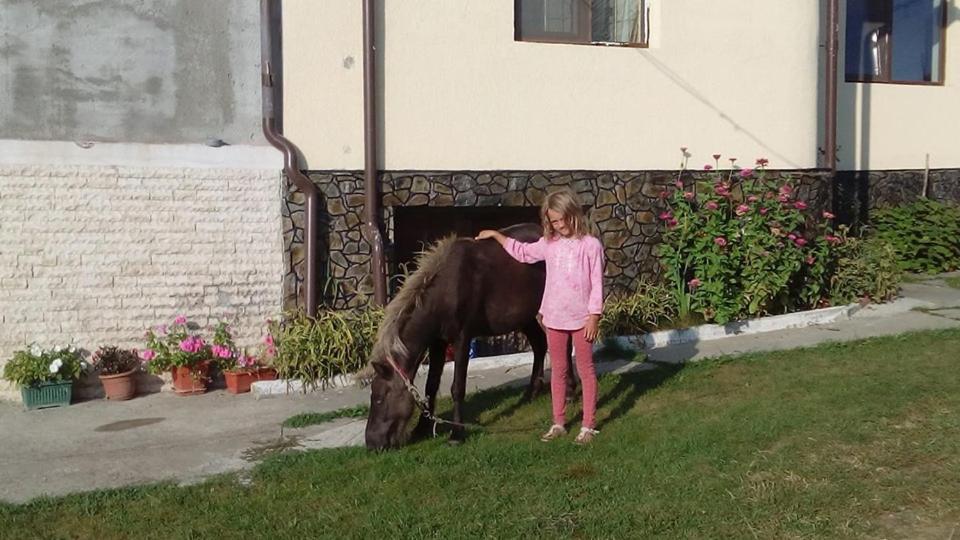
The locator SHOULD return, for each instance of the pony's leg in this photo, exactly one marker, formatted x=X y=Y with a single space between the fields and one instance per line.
x=538 y=342
x=459 y=389
x=434 y=373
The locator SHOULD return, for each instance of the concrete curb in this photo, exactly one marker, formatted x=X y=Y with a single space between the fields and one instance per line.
x=653 y=340
x=709 y=332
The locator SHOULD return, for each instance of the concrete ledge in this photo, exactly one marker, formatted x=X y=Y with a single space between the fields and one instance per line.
x=708 y=332
x=653 y=340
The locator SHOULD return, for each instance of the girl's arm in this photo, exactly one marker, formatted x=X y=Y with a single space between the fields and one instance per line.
x=595 y=259
x=595 y=300
x=521 y=251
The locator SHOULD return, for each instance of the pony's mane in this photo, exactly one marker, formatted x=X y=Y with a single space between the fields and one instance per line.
x=410 y=296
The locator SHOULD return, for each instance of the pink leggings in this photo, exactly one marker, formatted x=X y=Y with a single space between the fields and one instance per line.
x=557 y=346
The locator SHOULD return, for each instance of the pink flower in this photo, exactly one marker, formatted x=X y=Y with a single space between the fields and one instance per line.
x=711 y=205
x=720 y=241
x=694 y=283
x=732 y=160
x=192 y=344
x=833 y=239
x=268 y=339
x=679 y=184
x=746 y=173
x=688 y=195
x=162 y=329
x=828 y=215
x=753 y=198
x=762 y=162
x=763 y=211
x=671 y=223
x=786 y=189
x=148 y=354
x=800 y=242
x=180 y=320
x=792 y=236
x=666 y=216
x=810 y=259
x=742 y=209
x=708 y=167
x=800 y=205
x=716 y=156
x=221 y=351
x=664 y=194
x=783 y=198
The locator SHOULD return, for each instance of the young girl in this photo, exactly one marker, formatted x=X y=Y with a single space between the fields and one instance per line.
x=572 y=300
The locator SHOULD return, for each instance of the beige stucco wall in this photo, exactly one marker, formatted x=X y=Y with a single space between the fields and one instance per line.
x=894 y=126
x=457 y=92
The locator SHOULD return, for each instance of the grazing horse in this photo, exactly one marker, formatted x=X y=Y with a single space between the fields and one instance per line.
x=462 y=289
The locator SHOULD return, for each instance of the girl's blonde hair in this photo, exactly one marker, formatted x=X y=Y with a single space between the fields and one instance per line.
x=566 y=202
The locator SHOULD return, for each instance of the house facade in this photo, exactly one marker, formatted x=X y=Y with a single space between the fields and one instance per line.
x=488 y=103
x=136 y=184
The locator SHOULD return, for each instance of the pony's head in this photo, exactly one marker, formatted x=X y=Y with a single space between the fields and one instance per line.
x=390 y=402
x=391 y=405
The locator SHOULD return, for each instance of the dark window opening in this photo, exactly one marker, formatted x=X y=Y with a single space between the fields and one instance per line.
x=895 y=41
x=415 y=227
x=602 y=22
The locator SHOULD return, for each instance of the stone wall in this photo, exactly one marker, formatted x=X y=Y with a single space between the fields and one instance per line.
x=95 y=255
x=858 y=192
x=624 y=206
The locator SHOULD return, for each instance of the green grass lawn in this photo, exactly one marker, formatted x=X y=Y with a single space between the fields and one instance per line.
x=860 y=439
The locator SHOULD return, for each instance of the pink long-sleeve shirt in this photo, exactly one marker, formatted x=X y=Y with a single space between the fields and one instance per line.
x=574 y=288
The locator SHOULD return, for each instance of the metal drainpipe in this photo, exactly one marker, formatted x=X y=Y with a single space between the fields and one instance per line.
x=290 y=156
x=830 y=122
x=371 y=226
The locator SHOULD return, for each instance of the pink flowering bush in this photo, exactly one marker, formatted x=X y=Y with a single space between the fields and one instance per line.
x=174 y=345
x=744 y=245
x=227 y=355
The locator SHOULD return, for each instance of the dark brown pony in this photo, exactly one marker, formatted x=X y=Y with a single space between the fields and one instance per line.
x=462 y=289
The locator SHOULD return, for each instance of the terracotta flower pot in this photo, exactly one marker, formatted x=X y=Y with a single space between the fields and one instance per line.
x=238 y=382
x=119 y=387
x=190 y=380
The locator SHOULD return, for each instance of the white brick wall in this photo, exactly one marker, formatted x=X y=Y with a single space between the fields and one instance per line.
x=95 y=255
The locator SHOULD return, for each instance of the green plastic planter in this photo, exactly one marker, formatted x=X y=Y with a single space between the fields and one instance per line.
x=44 y=395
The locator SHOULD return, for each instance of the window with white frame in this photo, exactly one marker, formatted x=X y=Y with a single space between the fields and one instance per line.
x=592 y=22
x=895 y=41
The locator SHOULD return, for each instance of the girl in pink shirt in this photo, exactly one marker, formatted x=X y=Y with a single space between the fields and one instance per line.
x=572 y=300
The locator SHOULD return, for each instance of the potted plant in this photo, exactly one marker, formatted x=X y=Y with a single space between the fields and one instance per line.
x=117 y=369
x=179 y=349
x=45 y=376
x=239 y=369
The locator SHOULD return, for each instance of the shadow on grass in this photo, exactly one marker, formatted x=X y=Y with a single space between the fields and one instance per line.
x=504 y=401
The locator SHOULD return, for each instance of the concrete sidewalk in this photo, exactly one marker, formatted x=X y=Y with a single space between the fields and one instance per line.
x=99 y=444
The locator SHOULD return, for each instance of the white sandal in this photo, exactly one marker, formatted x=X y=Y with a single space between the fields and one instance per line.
x=585 y=436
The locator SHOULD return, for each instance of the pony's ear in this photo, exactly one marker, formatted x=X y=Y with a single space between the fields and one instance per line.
x=382 y=369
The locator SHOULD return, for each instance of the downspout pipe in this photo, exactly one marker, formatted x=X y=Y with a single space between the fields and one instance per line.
x=830 y=79
x=371 y=224
x=291 y=160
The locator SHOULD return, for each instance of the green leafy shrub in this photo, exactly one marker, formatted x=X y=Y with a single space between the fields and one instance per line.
x=649 y=307
x=925 y=235
x=740 y=245
x=37 y=365
x=865 y=268
x=316 y=350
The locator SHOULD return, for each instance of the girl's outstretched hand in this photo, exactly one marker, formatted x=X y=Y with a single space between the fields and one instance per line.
x=489 y=234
